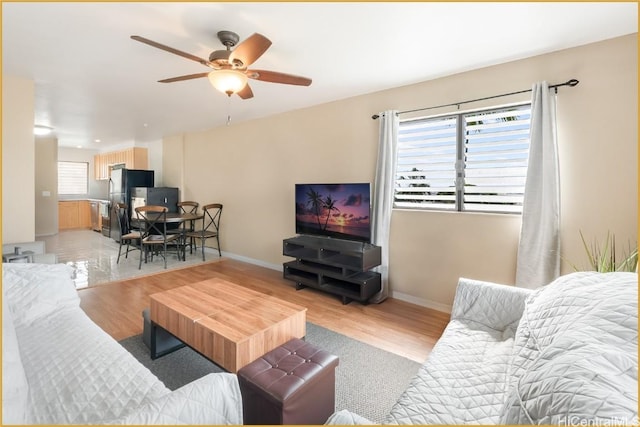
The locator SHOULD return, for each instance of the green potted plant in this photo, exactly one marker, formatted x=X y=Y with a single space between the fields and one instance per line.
x=604 y=258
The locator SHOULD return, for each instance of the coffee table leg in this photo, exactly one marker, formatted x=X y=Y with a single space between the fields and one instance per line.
x=162 y=342
x=154 y=343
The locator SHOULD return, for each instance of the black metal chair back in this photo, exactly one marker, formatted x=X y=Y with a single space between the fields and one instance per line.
x=211 y=215
x=153 y=222
x=211 y=218
x=128 y=236
x=188 y=207
x=191 y=208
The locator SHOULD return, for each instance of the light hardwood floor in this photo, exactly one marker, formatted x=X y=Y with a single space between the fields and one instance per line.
x=396 y=326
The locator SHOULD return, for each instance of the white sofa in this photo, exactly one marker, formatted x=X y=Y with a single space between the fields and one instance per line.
x=564 y=354
x=60 y=368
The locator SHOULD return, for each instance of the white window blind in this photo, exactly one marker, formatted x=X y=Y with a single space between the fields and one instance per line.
x=467 y=162
x=426 y=164
x=73 y=177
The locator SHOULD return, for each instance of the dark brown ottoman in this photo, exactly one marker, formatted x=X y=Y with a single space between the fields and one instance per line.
x=292 y=384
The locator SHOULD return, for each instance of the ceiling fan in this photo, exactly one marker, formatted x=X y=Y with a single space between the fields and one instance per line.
x=230 y=72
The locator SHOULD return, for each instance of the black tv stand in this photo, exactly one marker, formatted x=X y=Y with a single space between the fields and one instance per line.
x=337 y=266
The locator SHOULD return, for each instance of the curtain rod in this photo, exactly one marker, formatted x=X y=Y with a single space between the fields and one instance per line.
x=570 y=83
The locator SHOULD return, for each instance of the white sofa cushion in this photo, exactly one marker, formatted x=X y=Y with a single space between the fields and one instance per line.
x=464 y=379
x=575 y=354
x=35 y=291
x=345 y=417
x=15 y=389
x=212 y=399
x=80 y=375
x=576 y=384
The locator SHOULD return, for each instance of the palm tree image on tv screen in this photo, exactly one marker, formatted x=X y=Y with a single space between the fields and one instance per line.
x=334 y=210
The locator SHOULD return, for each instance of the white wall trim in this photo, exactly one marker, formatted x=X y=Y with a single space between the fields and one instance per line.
x=46 y=234
x=445 y=308
x=277 y=267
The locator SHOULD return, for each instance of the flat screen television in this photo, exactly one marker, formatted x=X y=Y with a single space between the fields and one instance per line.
x=334 y=210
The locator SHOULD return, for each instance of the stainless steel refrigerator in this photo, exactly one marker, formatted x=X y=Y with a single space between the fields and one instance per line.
x=121 y=183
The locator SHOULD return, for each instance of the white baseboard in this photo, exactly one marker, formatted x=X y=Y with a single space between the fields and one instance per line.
x=445 y=308
x=277 y=267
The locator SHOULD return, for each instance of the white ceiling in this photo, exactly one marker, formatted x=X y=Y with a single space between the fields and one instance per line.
x=93 y=82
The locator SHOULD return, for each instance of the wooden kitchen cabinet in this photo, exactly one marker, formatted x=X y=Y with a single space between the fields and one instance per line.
x=73 y=214
x=68 y=215
x=132 y=158
x=100 y=166
x=84 y=213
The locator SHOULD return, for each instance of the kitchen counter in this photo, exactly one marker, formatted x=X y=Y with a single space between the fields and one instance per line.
x=80 y=199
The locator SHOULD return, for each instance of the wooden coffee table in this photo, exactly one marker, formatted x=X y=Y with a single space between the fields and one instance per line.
x=227 y=323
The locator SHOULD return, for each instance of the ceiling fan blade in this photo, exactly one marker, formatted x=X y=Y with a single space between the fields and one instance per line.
x=181 y=78
x=275 y=77
x=250 y=49
x=172 y=50
x=246 y=92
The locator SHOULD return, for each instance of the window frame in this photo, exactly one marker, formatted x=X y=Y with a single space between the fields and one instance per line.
x=459 y=165
x=61 y=181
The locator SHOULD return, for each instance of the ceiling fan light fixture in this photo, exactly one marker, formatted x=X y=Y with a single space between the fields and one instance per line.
x=228 y=81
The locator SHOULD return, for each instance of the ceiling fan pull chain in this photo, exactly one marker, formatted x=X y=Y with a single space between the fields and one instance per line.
x=229 y=110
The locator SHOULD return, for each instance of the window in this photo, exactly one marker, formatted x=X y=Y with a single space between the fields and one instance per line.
x=475 y=161
x=73 y=177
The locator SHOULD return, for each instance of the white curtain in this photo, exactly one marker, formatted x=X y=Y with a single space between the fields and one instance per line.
x=383 y=195
x=539 y=248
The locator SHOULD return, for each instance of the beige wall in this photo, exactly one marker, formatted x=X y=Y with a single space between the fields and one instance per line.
x=18 y=160
x=154 y=151
x=173 y=164
x=46 y=182
x=252 y=167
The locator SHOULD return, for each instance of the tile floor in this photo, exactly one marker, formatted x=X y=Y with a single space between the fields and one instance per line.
x=93 y=257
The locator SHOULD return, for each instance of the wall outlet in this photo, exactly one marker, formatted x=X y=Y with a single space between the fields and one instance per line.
x=46 y=193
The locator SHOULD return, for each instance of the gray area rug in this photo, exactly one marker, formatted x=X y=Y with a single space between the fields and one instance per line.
x=368 y=380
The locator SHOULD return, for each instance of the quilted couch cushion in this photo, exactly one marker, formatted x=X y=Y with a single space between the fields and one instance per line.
x=463 y=381
x=80 y=375
x=15 y=388
x=575 y=354
x=214 y=399
x=34 y=291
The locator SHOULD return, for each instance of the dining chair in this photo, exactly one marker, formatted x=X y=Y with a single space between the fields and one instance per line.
x=153 y=220
x=210 y=226
x=130 y=237
x=189 y=207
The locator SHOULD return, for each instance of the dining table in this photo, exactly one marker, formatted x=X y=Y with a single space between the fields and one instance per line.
x=181 y=218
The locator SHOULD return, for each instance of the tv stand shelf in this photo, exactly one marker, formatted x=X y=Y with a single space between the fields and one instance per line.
x=340 y=267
